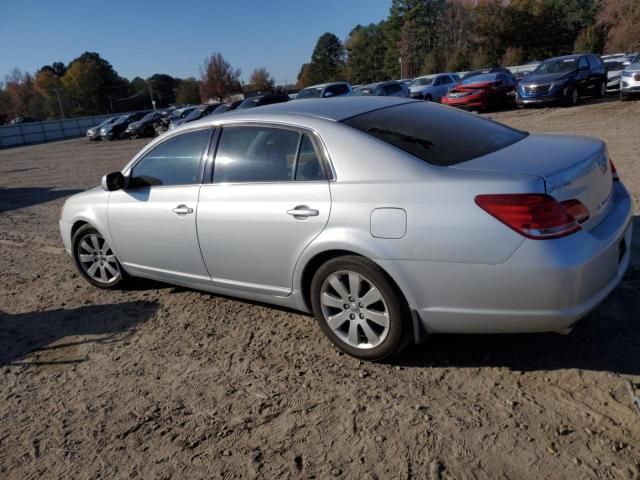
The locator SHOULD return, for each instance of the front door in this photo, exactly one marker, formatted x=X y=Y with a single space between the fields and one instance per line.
x=269 y=199
x=153 y=221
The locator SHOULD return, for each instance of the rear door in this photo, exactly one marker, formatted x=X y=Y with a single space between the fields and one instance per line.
x=268 y=200
x=583 y=78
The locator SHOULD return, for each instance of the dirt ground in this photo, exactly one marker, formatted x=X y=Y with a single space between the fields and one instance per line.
x=162 y=382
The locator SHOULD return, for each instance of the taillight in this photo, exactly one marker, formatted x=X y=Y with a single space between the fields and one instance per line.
x=576 y=209
x=614 y=172
x=534 y=215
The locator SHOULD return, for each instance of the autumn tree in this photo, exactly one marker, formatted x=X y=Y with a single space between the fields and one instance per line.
x=90 y=81
x=219 y=78
x=303 y=76
x=24 y=100
x=49 y=86
x=327 y=60
x=260 y=80
x=619 y=20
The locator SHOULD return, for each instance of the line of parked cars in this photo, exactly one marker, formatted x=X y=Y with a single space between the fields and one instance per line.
x=560 y=80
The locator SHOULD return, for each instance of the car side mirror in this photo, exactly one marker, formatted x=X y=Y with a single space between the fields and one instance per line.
x=113 y=181
x=499 y=82
x=583 y=68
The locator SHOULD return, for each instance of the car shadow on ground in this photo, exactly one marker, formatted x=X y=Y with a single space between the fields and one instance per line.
x=21 y=197
x=606 y=340
x=25 y=333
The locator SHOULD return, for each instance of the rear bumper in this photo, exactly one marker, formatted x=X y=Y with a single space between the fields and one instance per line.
x=545 y=286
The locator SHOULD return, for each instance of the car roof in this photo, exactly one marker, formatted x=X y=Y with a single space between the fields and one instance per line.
x=336 y=109
x=567 y=57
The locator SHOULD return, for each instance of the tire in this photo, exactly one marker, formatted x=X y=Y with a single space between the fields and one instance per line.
x=428 y=98
x=373 y=333
x=95 y=260
x=572 y=98
x=602 y=91
x=623 y=98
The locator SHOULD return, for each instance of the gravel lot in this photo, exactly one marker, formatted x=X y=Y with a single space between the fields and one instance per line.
x=162 y=382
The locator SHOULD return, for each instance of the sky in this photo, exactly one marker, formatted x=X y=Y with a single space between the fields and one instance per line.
x=142 y=38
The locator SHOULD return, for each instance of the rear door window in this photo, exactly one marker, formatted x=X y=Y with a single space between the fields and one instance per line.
x=255 y=154
x=435 y=134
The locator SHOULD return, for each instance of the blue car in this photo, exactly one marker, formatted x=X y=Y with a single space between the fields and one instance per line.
x=563 y=80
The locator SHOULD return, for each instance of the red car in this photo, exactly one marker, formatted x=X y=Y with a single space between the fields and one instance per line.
x=484 y=91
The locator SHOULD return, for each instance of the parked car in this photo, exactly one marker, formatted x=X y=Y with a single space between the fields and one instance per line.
x=196 y=114
x=383 y=89
x=325 y=90
x=93 y=133
x=630 y=81
x=564 y=79
x=614 y=65
x=226 y=107
x=262 y=100
x=375 y=213
x=116 y=129
x=180 y=114
x=482 y=92
x=145 y=127
x=433 y=87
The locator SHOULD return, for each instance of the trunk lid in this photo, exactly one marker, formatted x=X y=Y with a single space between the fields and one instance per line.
x=572 y=168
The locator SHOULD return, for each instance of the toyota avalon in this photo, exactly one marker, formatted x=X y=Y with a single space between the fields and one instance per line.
x=374 y=213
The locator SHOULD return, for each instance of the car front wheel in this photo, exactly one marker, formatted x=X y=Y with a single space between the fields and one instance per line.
x=358 y=307
x=95 y=259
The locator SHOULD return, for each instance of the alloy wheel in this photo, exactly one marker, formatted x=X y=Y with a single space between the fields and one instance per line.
x=97 y=260
x=354 y=309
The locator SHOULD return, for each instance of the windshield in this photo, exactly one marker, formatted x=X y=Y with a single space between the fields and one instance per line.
x=147 y=117
x=485 y=77
x=432 y=132
x=614 y=65
x=310 y=93
x=107 y=122
x=556 y=66
x=249 y=103
x=420 y=82
x=195 y=114
x=362 y=91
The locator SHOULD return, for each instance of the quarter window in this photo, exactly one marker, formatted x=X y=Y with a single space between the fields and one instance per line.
x=176 y=161
x=308 y=166
x=255 y=154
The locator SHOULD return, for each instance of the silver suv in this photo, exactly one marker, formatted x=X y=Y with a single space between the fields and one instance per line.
x=325 y=90
x=630 y=80
x=433 y=87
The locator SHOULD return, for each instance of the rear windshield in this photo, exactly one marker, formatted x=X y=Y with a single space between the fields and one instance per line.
x=438 y=135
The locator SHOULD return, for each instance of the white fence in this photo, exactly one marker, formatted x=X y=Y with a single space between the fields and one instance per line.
x=41 y=132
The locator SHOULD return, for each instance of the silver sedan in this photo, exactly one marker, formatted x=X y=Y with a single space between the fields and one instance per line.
x=388 y=218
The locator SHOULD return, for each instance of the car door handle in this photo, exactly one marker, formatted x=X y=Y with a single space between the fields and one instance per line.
x=182 y=210
x=302 y=211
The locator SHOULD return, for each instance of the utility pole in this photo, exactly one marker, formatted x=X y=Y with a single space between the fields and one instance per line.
x=60 y=103
x=110 y=102
x=153 y=102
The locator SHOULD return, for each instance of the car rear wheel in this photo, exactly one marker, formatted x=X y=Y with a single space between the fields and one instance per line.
x=603 y=89
x=358 y=307
x=95 y=259
x=573 y=97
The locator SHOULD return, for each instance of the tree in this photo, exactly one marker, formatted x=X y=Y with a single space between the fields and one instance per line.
x=219 y=78
x=90 y=81
x=591 y=39
x=619 y=20
x=260 y=80
x=327 y=62
x=163 y=88
x=49 y=86
x=188 y=91
x=366 y=49
x=24 y=101
x=303 y=76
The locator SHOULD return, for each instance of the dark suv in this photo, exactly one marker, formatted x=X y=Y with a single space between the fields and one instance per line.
x=564 y=79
